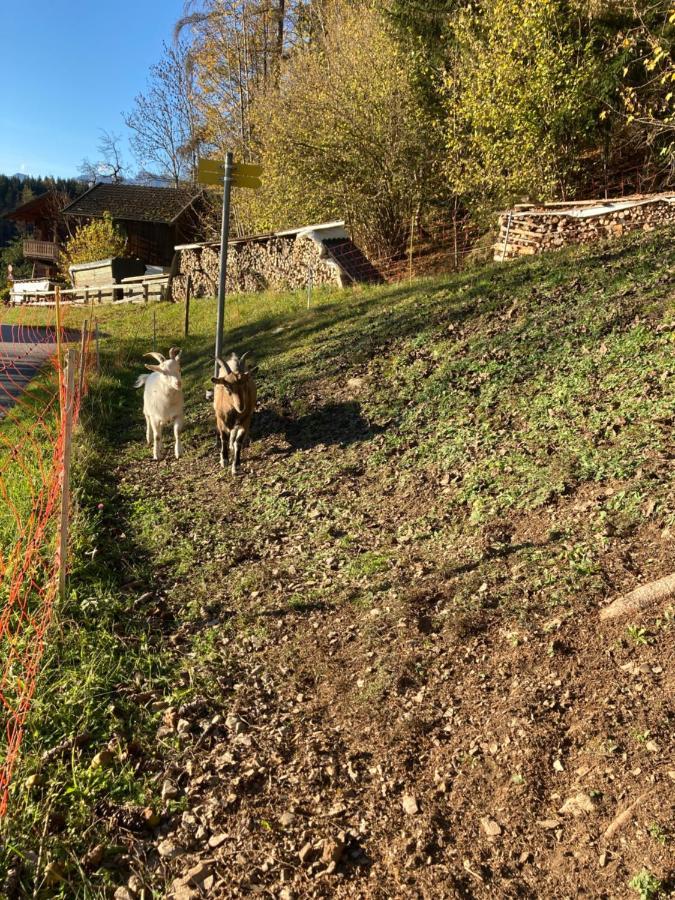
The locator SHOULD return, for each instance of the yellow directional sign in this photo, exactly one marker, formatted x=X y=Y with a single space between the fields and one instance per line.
x=251 y=170
x=246 y=181
x=212 y=171
x=209 y=178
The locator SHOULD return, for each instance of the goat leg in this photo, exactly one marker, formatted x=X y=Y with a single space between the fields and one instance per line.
x=148 y=431
x=238 y=440
x=176 y=430
x=233 y=449
x=223 y=449
x=157 y=445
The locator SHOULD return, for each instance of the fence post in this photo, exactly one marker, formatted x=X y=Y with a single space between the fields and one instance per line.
x=83 y=356
x=59 y=351
x=188 y=291
x=506 y=238
x=67 y=425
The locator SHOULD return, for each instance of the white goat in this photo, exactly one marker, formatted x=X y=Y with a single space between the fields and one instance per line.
x=162 y=400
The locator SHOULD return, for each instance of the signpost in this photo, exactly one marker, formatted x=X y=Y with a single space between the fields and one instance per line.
x=229 y=174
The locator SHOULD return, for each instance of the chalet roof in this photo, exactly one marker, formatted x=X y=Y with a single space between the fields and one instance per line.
x=134 y=202
x=34 y=209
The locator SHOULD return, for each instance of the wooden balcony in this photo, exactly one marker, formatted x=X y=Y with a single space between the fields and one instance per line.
x=44 y=250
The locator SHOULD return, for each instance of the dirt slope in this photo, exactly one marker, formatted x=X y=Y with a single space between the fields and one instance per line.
x=390 y=679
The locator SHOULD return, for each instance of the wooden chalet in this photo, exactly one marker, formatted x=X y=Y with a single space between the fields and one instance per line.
x=44 y=231
x=154 y=219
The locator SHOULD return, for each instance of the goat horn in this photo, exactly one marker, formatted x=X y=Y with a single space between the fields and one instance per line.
x=224 y=365
x=243 y=356
x=155 y=355
x=174 y=352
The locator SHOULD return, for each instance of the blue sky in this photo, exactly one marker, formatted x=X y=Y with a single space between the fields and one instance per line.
x=69 y=69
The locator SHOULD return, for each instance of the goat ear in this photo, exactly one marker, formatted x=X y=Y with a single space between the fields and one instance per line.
x=220 y=381
x=153 y=368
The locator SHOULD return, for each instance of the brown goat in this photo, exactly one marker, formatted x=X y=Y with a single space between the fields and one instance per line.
x=234 y=398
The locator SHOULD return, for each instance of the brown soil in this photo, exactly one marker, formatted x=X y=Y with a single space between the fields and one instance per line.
x=402 y=742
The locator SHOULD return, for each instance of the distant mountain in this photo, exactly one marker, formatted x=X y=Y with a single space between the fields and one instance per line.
x=20 y=175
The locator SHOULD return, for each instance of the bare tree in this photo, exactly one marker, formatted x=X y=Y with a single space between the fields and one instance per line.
x=110 y=165
x=165 y=123
x=236 y=48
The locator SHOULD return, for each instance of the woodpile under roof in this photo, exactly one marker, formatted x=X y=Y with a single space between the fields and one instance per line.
x=530 y=230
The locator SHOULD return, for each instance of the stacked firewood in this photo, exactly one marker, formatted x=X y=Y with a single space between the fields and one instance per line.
x=526 y=232
x=258 y=264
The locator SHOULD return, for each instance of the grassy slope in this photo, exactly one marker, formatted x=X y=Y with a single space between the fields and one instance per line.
x=399 y=598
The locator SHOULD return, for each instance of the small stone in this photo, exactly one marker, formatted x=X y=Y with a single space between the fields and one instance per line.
x=34 y=781
x=168 y=850
x=123 y=893
x=409 y=804
x=135 y=884
x=102 y=760
x=287 y=818
x=580 y=803
x=652 y=746
x=602 y=862
x=182 y=891
x=334 y=849
x=169 y=791
x=198 y=873
x=151 y=818
x=216 y=840
x=93 y=857
x=54 y=873
x=490 y=827
x=170 y=718
x=305 y=851
x=548 y=823
x=558 y=766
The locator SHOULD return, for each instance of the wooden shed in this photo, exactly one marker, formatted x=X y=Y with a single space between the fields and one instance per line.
x=154 y=219
x=105 y=272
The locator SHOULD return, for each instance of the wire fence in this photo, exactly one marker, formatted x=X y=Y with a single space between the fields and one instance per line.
x=439 y=247
x=43 y=377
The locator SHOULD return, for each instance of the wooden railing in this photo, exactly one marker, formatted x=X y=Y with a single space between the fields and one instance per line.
x=133 y=290
x=41 y=250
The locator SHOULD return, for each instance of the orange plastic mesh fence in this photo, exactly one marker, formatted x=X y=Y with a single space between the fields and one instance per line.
x=33 y=399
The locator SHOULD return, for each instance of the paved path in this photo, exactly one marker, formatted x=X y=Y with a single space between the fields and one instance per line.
x=23 y=352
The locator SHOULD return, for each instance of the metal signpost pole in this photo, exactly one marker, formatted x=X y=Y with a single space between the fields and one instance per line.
x=222 y=280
